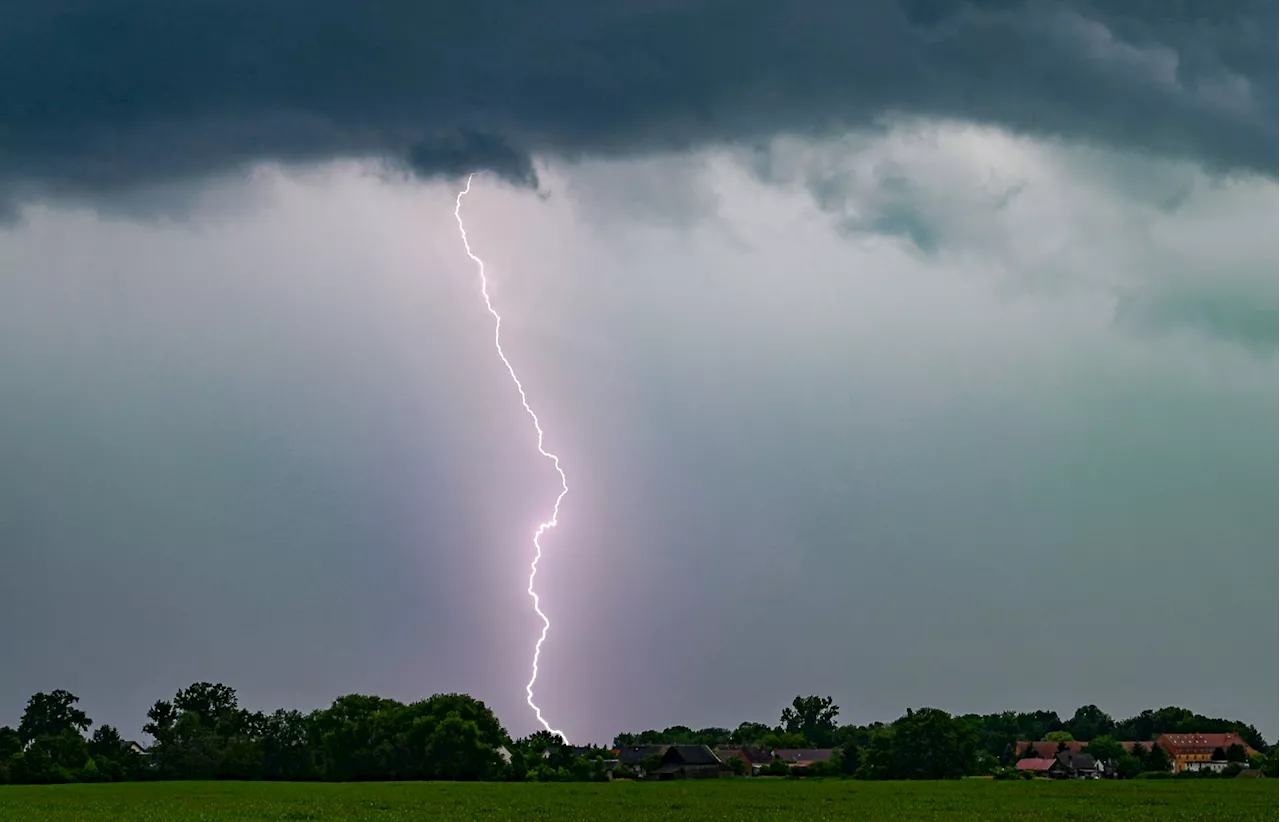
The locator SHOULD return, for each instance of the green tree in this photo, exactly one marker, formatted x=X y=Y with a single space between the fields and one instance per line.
x=775 y=740
x=66 y=751
x=160 y=721
x=1105 y=749
x=924 y=744
x=749 y=733
x=1090 y=722
x=10 y=743
x=50 y=714
x=1059 y=736
x=1128 y=766
x=1157 y=759
x=738 y=765
x=1269 y=764
x=106 y=741
x=813 y=717
x=287 y=752
x=210 y=702
x=851 y=756
x=1237 y=753
x=457 y=750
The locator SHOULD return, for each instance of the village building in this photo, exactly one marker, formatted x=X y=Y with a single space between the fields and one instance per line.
x=671 y=761
x=1065 y=764
x=1036 y=764
x=1196 y=752
x=1074 y=765
x=753 y=756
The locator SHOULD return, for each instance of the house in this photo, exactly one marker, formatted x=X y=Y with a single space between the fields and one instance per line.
x=1037 y=765
x=1043 y=750
x=1195 y=751
x=671 y=761
x=804 y=757
x=634 y=756
x=754 y=756
x=134 y=748
x=504 y=753
x=1073 y=765
x=689 y=762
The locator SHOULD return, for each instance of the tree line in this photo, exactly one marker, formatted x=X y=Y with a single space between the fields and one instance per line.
x=203 y=733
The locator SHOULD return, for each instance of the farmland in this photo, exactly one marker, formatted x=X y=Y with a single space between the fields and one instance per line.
x=762 y=800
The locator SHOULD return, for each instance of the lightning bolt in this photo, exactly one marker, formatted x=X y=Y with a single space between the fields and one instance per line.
x=564 y=481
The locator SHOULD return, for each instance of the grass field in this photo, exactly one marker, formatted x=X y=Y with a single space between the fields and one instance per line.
x=727 y=801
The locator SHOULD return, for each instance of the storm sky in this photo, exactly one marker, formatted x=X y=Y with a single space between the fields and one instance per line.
x=915 y=353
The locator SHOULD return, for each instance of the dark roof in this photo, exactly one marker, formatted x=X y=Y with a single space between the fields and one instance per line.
x=1077 y=761
x=752 y=754
x=805 y=754
x=690 y=755
x=635 y=754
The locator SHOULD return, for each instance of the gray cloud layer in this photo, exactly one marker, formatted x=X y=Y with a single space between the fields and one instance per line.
x=96 y=97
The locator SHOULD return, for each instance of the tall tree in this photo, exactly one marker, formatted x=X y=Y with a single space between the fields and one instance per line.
x=1105 y=749
x=1157 y=759
x=1089 y=722
x=749 y=733
x=106 y=741
x=10 y=743
x=924 y=744
x=456 y=750
x=814 y=717
x=50 y=714
x=210 y=702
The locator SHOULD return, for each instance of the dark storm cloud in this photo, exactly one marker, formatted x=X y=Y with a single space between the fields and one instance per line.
x=96 y=97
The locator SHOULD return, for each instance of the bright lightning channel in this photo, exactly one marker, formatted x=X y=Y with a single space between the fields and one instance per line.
x=564 y=481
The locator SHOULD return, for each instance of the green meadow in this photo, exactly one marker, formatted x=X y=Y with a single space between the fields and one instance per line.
x=759 y=800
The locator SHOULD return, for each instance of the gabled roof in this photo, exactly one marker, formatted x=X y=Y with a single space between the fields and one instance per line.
x=690 y=755
x=1201 y=743
x=1076 y=761
x=635 y=754
x=752 y=754
x=1034 y=764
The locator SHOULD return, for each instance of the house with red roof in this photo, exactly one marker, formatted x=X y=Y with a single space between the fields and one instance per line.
x=1037 y=765
x=1196 y=751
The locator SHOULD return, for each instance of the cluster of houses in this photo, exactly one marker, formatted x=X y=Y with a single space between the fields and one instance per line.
x=699 y=761
x=1187 y=752
x=1055 y=760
